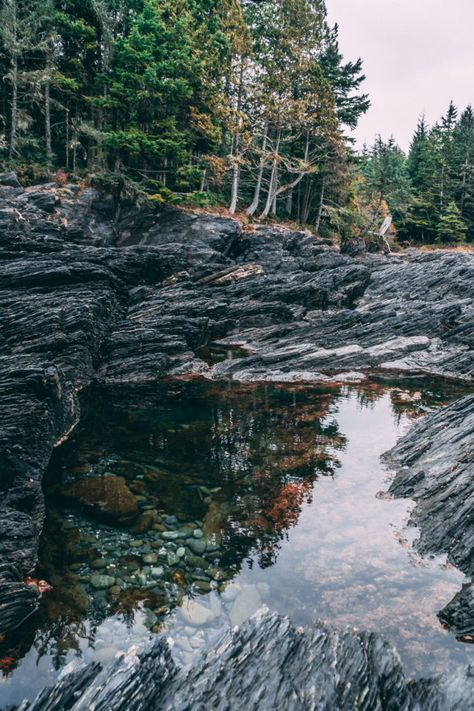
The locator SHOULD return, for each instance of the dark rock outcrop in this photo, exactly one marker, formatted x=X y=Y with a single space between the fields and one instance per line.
x=458 y=615
x=92 y=289
x=265 y=664
x=434 y=466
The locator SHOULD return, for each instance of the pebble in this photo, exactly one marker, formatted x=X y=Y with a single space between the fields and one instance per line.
x=202 y=585
x=197 y=533
x=102 y=582
x=136 y=543
x=170 y=520
x=181 y=552
x=157 y=571
x=197 y=545
x=172 y=559
x=196 y=614
x=150 y=558
x=196 y=561
x=99 y=563
x=170 y=535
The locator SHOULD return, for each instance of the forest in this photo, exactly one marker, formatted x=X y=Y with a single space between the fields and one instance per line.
x=247 y=106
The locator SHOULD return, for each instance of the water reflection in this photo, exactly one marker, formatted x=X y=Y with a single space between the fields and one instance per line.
x=184 y=507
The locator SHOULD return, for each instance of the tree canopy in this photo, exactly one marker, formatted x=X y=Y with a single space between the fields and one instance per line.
x=245 y=104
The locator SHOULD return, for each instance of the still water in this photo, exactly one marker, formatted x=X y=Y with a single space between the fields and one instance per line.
x=183 y=508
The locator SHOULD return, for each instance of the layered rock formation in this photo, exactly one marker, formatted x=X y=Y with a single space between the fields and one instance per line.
x=264 y=664
x=94 y=289
x=434 y=464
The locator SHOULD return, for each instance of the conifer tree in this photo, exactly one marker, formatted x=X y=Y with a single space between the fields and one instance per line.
x=451 y=226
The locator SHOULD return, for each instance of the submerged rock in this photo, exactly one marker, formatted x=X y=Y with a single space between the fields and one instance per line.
x=107 y=495
x=265 y=664
x=102 y=582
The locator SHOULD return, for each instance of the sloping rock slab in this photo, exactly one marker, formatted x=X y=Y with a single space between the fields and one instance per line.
x=434 y=465
x=265 y=665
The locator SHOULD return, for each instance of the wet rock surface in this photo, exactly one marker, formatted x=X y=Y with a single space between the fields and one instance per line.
x=92 y=290
x=434 y=465
x=264 y=664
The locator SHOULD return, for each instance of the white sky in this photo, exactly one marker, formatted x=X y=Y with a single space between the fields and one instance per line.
x=418 y=54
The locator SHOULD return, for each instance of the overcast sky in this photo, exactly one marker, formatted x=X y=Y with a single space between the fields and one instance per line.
x=418 y=54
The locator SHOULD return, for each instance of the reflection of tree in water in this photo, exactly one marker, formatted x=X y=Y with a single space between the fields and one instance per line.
x=262 y=447
x=271 y=451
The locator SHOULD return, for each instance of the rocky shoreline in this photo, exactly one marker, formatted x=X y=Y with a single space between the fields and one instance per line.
x=263 y=664
x=96 y=290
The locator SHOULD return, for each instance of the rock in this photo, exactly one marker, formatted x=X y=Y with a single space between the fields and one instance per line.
x=150 y=558
x=172 y=558
x=107 y=495
x=77 y=306
x=197 y=545
x=170 y=535
x=458 y=615
x=196 y=614
x=102 y=582
x=197 y=533
x=266 y=664
x=233 y=274
x=197 y=562
x=218 y=573
x=202 y=585
x=9 y=180
x=157 y=571
x=247 y=602
x=99 y=563
x=434 y=464
x=144 y=523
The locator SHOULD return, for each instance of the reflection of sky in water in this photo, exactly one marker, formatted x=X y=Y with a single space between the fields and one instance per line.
x=347 y=561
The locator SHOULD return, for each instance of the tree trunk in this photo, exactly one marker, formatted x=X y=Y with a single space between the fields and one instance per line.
x=258 y=186
x=374 y=217
x=320 y=207
x=47 y=122
x=235 y=188
x=305 y=210
x=14 y=109
x=67 y=138
x=236 y=145
x=273 y=178
x=273 y=190
x=466 y=167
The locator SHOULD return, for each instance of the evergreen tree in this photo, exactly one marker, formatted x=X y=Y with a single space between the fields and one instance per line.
x=345 y=80
x=451 y=226
x=385 y=180
x=244 y=103
x=463 y=137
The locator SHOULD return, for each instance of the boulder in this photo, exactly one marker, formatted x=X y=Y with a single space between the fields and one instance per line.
x=108 y=496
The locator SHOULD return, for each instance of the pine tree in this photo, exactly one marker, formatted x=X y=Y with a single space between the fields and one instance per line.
x=451 y=226
x=385 y=180
x=345 y=80
x=463 y=137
